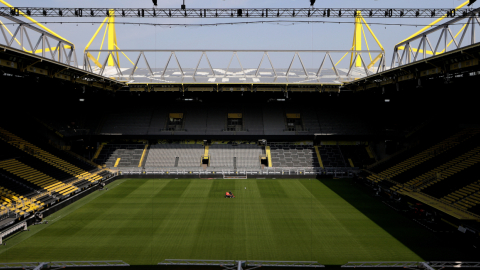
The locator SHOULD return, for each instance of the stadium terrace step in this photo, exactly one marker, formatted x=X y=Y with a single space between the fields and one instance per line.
x=33 y=150
x=425 y=155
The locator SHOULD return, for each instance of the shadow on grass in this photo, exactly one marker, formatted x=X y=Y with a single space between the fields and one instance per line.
x=428 y=245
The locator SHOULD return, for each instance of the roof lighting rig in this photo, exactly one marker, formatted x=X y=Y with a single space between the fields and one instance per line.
x=183 y=12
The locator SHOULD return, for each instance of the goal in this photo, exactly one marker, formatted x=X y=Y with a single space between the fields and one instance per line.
x=234 y=177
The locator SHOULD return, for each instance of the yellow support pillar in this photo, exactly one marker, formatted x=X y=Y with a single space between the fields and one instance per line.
x=111 y=36
x=116 y=162
x=319 y=157
x=351 y=162
x=357 y=38
x=143 y=155
x=97 y=153
x=269 y=155
x=370 y=154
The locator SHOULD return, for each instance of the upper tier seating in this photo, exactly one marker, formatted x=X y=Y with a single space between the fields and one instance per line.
x=294 y=156
x=205 y=119
x=165 y=155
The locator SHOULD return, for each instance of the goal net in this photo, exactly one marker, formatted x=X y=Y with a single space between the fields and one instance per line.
x=234 y=177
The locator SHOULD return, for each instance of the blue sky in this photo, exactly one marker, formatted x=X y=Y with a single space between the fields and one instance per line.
x=253 y=36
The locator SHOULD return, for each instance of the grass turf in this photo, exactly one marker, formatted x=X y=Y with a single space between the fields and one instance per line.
x=144 y=221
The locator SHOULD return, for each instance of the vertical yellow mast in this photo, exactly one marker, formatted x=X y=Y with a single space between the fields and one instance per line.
x=357 y=38
x=111 y=35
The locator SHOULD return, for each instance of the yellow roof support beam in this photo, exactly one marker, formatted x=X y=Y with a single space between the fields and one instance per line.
x=111 y=34
x=440 y=52
x=432 y=23
x=35 y=22
x=357 y=41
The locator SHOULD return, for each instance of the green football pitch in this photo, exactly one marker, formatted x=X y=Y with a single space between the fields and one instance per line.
x=144 y=221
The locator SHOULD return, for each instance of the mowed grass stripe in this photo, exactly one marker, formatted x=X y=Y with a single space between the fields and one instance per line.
x=284 y=201
x=216 y=229
x=178 y=229
x=144 y=221
x=262 y=240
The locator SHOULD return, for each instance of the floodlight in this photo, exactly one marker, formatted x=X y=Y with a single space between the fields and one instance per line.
x=154 y=2
x=312 y=2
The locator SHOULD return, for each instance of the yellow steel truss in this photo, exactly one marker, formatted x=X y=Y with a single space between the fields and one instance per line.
x=431 y=25
x=112 y=44
x=358 y=33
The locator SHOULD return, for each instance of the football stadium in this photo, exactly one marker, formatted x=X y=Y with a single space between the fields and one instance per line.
x=231 y=153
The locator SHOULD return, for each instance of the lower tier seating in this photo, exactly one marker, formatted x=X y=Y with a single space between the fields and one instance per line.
x=453 y=182
x=235 y=156
x=127 y=155
x=174 y=155
x=358 y=154
x=294 y=156
x=332 y=156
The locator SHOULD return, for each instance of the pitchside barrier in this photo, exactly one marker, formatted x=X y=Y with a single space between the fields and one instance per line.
x=222 y=172
x=64 y=264
x=246 y=264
